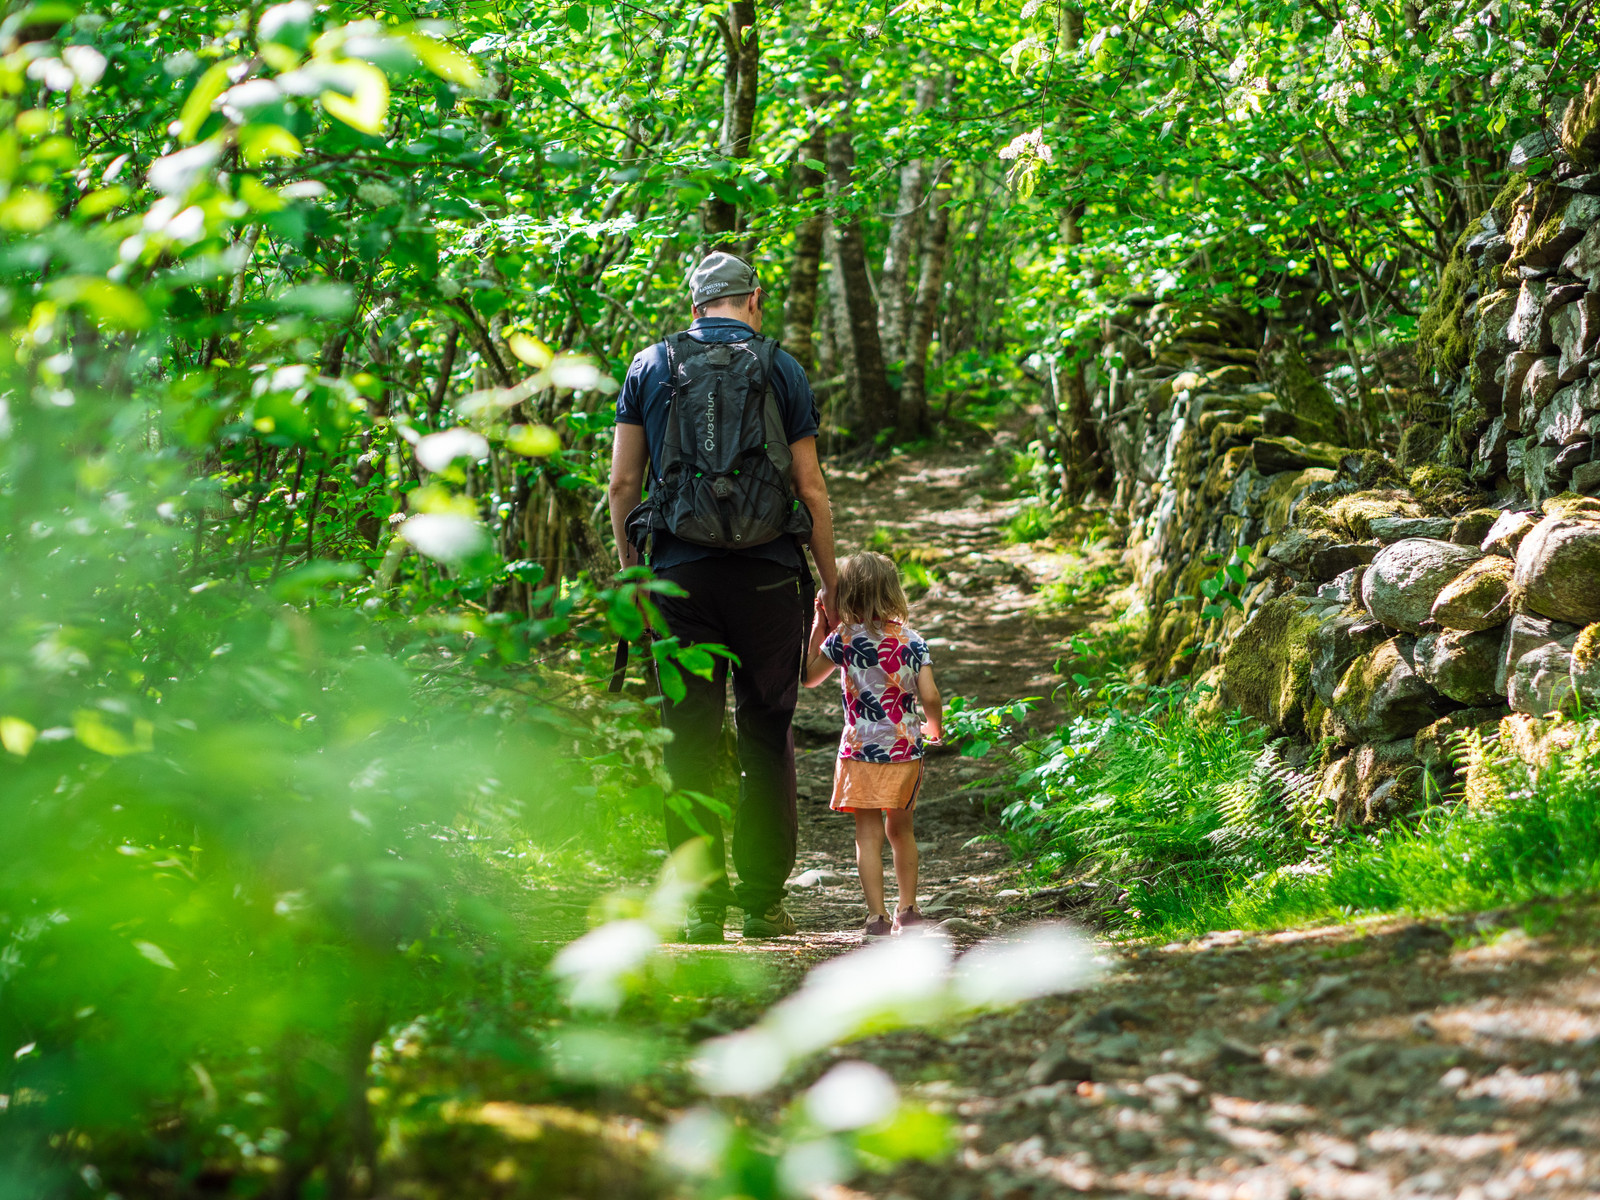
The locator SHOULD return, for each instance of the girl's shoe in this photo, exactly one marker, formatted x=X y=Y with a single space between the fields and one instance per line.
x=909 y=919
x=878 y=927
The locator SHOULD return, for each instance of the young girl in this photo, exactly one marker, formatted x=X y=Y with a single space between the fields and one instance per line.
x=885 y=673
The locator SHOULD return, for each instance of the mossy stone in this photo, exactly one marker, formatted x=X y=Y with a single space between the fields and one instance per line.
x=1419 y=443
x=1558 y=570
x=1287 y=488
x=1351 y=516
x=1268 y=666
x=1580 y=125
x=1442 y=490
x=1479 y=597
x=1382 y=697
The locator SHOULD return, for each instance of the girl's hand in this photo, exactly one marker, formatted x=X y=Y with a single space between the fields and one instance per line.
x=819 y=628
x=933 y=731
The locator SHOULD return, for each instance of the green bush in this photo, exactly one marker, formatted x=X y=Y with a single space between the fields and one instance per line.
x=1199 y=827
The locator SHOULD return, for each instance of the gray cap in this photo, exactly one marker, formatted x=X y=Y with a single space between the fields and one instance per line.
x=720 y=276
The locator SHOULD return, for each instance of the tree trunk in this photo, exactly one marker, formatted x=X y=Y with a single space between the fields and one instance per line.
x=871 y=392
x=800 y=308
x=838 y=355
x=894 y=312
x=913 y=409
x=742 y=45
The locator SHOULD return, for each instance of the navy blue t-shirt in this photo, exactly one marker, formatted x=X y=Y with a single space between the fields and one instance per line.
x=644 y=400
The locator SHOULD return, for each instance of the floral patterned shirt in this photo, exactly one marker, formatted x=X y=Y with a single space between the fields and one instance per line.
x=878 y=673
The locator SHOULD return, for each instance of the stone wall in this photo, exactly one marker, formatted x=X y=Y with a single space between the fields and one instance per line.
x=1392 y=601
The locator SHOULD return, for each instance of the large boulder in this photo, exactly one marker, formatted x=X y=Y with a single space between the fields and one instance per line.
x=1405 y=579
x=1461 y=665
x=1558 y=570
x=1479 y=597
x=1381 y=696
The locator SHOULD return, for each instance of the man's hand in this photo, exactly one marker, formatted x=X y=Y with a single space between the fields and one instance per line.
x=827 y=608
x=932 y=732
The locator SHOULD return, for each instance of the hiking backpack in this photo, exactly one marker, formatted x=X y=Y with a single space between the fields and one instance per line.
x=723 y=475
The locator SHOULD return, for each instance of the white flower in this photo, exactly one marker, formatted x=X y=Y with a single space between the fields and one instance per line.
x=379 y=195
x=87 y=63
x=438 y=450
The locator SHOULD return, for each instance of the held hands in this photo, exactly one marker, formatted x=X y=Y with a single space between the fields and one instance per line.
x=826 y=604
x=822 y=624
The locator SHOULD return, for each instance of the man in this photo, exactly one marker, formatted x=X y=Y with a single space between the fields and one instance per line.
x=755 y=600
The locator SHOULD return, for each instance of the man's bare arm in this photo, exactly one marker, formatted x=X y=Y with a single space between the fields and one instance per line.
x=630 y=456
x=812 y=489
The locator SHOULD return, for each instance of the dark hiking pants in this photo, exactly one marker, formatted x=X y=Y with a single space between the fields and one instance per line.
x=758 y=610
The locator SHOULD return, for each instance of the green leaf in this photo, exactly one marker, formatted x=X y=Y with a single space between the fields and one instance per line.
x=444 y=60
x=111 y=304
x=672 y=685
x=204 y=94
x=578 y=17
x=155 y=954
x=17 y=736
x=365 y=105
x=697 y=660
x=261 y=143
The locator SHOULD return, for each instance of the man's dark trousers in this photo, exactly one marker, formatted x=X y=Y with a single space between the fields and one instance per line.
x=758 y=610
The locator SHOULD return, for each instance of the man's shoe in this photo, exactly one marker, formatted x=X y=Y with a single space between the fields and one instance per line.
x=775 y=922
x=877 y=927
x=703 y=926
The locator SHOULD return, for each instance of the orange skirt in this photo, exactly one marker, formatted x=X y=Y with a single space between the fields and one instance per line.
x=865 y=786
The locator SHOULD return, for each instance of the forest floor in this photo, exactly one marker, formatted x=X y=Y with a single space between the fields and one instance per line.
x=1372 y=1059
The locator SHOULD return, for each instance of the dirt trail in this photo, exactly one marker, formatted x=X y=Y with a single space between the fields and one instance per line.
x=991 y=643
x=1378 y=1059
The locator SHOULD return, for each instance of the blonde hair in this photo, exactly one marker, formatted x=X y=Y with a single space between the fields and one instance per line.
x=869 y=590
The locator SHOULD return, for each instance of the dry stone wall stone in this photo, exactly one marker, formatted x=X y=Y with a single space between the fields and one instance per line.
x=1525 y=633
x=1334 y=645
x=1403 y=580
x=1541 y=382
x=1541 y=680
x=1558 y=570
x=1576 y=329
x=1381 y=696
x=1462 y=666
x=1479 y=597
x=1579 y=134
x=1506 y=534
x=1583 y=260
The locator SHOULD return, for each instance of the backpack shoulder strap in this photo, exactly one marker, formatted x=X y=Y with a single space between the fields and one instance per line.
x=774 y=431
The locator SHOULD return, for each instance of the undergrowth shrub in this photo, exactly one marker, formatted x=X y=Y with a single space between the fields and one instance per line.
x=1199 y=825
x=1172 y=806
